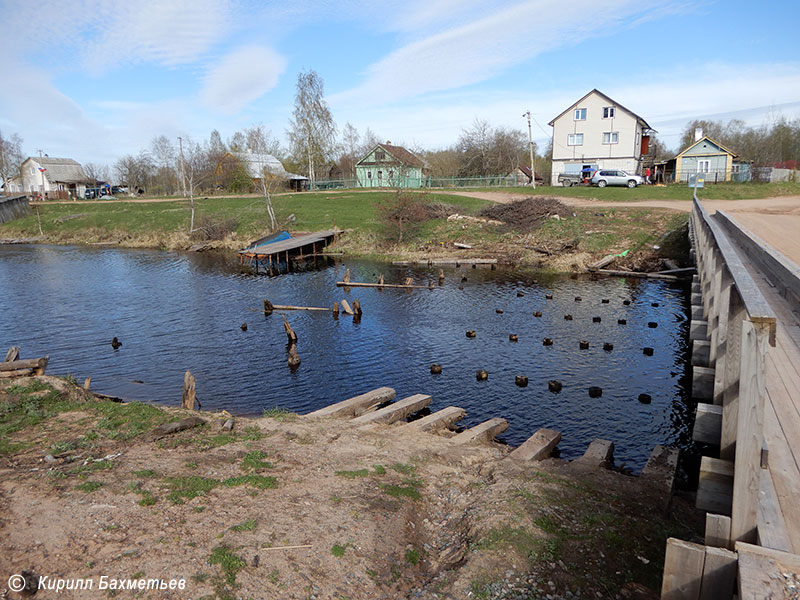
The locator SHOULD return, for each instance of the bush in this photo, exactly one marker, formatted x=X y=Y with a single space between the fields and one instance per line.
x=402 y=214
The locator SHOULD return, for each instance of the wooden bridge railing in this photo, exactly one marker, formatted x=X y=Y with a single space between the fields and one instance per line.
x=738 y=326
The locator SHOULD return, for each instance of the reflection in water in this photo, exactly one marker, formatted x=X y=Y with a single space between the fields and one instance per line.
x=175 y=312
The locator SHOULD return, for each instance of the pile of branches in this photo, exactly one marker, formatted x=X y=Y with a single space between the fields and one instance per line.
x=528 y=214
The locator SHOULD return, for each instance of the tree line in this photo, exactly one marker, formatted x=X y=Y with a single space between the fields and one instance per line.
x=318 y=150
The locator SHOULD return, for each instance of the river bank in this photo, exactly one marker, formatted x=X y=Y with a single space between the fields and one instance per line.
x=298 y=507
x=566 y=242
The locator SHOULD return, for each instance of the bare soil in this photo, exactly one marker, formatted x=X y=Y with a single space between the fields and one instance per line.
x=294 y=507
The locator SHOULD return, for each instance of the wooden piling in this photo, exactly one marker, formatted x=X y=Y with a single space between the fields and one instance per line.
x=290 y=334
x=189 y=396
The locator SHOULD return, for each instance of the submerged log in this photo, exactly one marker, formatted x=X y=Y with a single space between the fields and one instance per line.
x=188 y=400
x=384 y=285
x=291 y=307
x=294 y=357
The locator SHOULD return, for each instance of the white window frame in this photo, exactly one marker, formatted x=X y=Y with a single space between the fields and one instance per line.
x=736 y=168
x=575 y=139
x=579 y=114
x=703 y=162
x=609 y=112
x=611 y=137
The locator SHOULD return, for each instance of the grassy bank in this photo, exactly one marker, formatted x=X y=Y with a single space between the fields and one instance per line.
x=294 y=507
x=232 y=222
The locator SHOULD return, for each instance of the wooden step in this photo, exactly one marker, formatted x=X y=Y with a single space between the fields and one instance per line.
x=697 y=298
x=357 y=405
x=701 y=353
x=395 y=412
x=707 y=424
x=698 y=572
x=441 y=419
x=715 y=487
x=539 y=446
x=600 y=453
x=697 y=312
x=764 y=572
x=703 y=383
x=660 y=470
x=484 y=432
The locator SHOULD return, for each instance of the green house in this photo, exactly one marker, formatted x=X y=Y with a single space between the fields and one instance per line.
x=389 y=166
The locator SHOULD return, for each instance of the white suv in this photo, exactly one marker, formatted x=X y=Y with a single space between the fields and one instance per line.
x=606 y=177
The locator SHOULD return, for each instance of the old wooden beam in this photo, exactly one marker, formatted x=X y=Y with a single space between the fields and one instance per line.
x=715 y=486
x=357 y=405
x=383 y=285
x=537 y=447
x=395 y=412
x=483 y=432
x=12 y=354
x=441 y=419
x=707 y=424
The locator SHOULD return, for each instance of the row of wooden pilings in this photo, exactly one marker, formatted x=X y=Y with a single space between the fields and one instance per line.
x=731 y=330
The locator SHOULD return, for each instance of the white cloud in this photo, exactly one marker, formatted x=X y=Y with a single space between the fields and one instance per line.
x=480 y=49
x=241 y=77
x=166 y=33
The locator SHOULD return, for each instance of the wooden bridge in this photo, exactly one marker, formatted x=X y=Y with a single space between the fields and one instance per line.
x=745 y=331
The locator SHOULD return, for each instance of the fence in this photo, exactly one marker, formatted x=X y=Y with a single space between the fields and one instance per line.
x=425 y=182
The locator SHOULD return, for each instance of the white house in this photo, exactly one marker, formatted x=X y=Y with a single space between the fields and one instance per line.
x=53 y=177
x=256 y=164
x=597 y=132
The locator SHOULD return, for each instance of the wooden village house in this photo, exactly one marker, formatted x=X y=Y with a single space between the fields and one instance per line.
x=389 y=166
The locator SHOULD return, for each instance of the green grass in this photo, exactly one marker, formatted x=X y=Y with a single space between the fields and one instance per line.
x=147 y=499
x=412 y=556
x=338 y=550
x=186 y=488
x=313 y=211
x=256 y=481
x=254 y=461
x=89 y=486
x=229 y=563
x=353 y=474
x=408 y=489
x=145 y=473
x=248 y=525
x=279 y=414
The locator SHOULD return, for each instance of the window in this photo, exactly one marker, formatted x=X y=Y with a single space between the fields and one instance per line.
x=575 y=139
x=380 y=155
x=608 y=112
x=736 y=168
x=369 y=174
x=703 y=166
x=611 y=137
x=380 y=176
x=580 y=114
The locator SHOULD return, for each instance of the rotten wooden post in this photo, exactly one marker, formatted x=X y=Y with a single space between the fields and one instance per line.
x=294 y=357
x=268 y=308
x=12 y=354
x=289 y=332
x=188 y=400
x=357 y=308
x=335 y=310
x=409 y=281
x=87 y=383
x=441 y=276
x=380 y=279
x=346 y=308
x=346 y=277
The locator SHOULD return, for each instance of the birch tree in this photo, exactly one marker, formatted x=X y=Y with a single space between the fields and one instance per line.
x=10 y=157
x=312 y=132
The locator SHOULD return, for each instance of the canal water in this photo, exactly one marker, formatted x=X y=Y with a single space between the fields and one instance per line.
x=174 y=312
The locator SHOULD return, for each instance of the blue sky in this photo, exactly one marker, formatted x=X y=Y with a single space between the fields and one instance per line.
x=96 y=79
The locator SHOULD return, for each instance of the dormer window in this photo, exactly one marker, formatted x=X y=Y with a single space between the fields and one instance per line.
x=380 y=155
x=580 y=114
x=608 y=112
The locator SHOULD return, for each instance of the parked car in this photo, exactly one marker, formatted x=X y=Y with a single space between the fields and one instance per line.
x=606 y=177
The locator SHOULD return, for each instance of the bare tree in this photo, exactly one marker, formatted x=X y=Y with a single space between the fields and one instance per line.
x=134 y=171
x=10 y=157
x=196 y=171
x=349 y=150
x=165 y=157
x=312 y=132
x=488 y=151
x=96 y=172
x=269 y=183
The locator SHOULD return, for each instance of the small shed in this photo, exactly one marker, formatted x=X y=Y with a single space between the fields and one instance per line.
x=705 y=157
x=256 y=164
x=389 y=166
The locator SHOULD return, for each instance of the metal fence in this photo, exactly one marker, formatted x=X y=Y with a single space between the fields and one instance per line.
x=714 y=175
x=425 y=182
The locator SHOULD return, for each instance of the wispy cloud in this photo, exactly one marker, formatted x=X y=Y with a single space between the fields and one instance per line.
x=480 y=49
x=241 y=77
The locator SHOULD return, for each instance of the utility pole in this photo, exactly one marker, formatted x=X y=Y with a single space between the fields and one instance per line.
x=183 y=170
x=530 y=146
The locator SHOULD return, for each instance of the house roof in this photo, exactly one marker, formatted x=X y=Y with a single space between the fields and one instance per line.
x=64 y=170
x=705 y=138
x=611 y=101
x=399 y=153
x=255 y=164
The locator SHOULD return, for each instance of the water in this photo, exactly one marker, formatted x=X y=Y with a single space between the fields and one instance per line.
x=175 y=312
